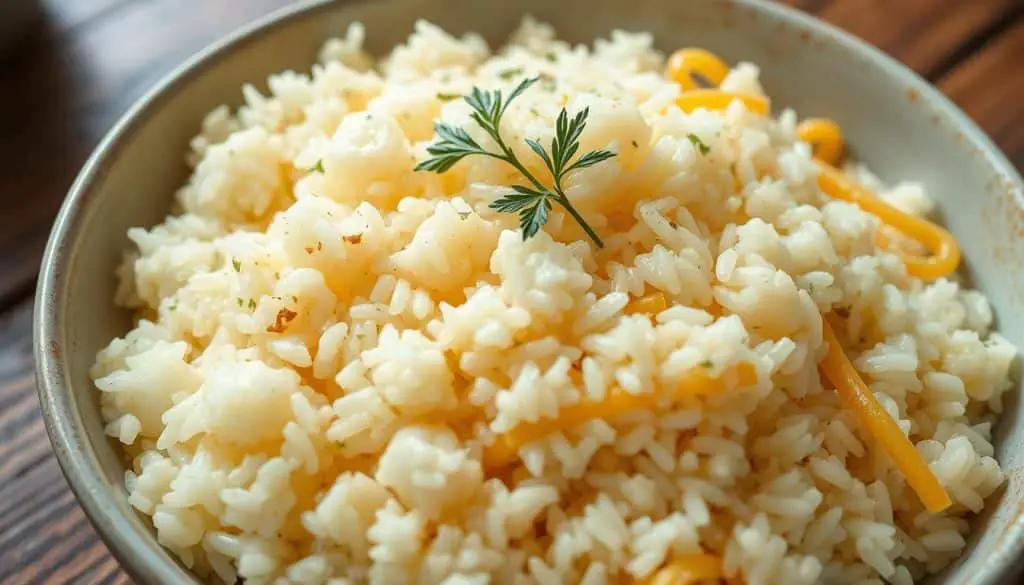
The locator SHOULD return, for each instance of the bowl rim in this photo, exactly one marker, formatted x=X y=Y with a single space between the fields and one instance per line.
x=62 y=420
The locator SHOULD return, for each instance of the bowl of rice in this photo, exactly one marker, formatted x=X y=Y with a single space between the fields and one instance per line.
x=424 y=292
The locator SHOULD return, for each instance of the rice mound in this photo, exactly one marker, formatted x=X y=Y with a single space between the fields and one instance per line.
x=314 y=311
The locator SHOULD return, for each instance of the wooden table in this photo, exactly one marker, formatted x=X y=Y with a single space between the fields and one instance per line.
x=90 y=59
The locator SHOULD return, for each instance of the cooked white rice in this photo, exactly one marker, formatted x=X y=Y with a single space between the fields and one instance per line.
x=299 y=330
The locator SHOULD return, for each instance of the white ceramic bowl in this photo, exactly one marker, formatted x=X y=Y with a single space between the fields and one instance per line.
x=895 y=122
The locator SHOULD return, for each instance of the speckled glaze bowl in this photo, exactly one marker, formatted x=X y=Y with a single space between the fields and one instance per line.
x=896 y=122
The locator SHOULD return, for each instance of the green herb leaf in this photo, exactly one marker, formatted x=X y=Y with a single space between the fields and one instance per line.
x=698 y=143
x=706 y=364
x=454 y=145
x=252 y=304
x=236 y=264
x=591 y=158
x=537 y=148
x=485 y=103
x=447 y=97
x=531 y=202
x=533 y=218
x=567 y=137
x=522 y=198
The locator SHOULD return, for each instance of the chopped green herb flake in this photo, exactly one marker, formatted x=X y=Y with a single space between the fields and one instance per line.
x=550 y=56
x=319 y=166
x=240 y=302
x=447 y=97
x=173 y=306
x=509 y=74
x=252 y=304
x=236 y=264
x=698 y=143
x=464 y=214
x=706 y=364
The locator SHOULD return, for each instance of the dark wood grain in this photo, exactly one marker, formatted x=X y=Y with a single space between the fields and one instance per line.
x=924 y=34
x=989 y=86
x=44 y=535
x=71 y=80
x=77 y=73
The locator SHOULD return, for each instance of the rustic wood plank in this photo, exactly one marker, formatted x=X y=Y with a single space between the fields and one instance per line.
x=44 y=535
x=66 y=550
x=920 y=33
x=73 y=84
x=23 y=443
x=989 y=87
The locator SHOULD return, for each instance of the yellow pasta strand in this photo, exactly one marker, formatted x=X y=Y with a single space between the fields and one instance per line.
x=687 y=570
x=714 y=99
x=872 y=417
x=651 y=304
x=506 y=447
x=693 y=68
x=825 y=138
x=943 y=246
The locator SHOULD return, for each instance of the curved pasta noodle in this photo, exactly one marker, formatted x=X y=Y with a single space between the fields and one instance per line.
x=617 y=402
x=826 y=138
x=694 y=68
x=687 y=570
x=870 y=414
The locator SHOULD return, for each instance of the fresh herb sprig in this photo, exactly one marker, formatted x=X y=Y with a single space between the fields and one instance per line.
x=531 y=202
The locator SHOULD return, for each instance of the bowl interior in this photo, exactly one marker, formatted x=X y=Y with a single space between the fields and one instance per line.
x=896 y=123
